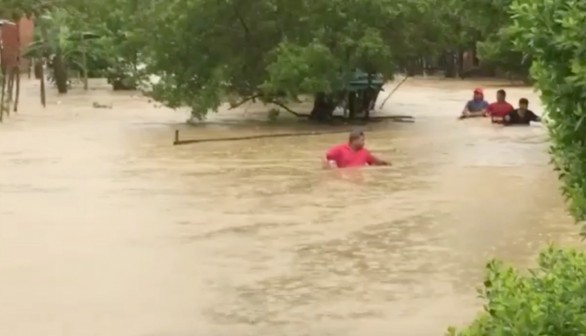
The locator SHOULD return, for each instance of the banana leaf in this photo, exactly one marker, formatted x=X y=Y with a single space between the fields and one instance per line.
x=34 y=50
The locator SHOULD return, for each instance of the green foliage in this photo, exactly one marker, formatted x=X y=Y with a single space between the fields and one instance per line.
x=62 y=35
x=548 y=300
x=60 y=39
x=463 y=25
x=294 y=67
x=16 y=9
x=117 y=30
x=205 y=50
x=499 y=52
x=486 y=26
x=553 y=34
x=124 y=26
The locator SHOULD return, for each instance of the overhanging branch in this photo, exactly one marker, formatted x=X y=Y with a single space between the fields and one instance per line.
x=284 y=107
x=244 y=101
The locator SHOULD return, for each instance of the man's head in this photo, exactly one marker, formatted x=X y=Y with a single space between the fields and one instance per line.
x=356 y=139
x=501 y=96
x=478 y=94
x=523 y=104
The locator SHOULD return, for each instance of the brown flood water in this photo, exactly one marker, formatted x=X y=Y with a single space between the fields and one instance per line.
x=108 y=230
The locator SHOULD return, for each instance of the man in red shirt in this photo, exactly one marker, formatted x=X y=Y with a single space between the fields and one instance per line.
x=499 y=109
x=352 y=154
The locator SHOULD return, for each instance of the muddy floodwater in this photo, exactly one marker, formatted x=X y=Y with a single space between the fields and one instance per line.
x=108 y=230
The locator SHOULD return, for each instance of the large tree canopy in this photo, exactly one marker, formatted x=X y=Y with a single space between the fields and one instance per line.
x=275 y=50
x=205 y=50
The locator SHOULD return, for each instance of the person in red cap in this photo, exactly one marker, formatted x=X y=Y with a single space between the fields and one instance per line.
x=477 y=107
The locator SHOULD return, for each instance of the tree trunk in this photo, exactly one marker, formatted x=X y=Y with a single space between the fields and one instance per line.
x=450 y=66
x=60 y=72
x=370 y=97
x=352 y=105
x=323 y=108
x=17 y=91
x=374 y=99
x=11 y=76
x=44 y=59
x=412 y=68
x=367 y=97
x=460 y=63
x=85 y=74
x=365 y=104
x=2 y=95
x=84 y=64
x=43 y=90
x=38 y=69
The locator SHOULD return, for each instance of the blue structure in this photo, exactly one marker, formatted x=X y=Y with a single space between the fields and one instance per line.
x=361 y=93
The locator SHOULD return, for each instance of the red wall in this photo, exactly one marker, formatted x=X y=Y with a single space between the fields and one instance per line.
x=26 y=29
x=15 y=38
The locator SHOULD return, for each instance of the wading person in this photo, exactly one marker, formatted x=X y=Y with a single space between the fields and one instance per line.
x=521 y=116
x=476 y=107
x=499 y=109
x=351 y=154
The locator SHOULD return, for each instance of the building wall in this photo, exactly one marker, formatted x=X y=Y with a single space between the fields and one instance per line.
x=15 y=38
x=26 y=32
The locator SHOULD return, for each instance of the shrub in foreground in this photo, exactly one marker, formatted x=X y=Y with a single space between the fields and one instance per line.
x=547 y=300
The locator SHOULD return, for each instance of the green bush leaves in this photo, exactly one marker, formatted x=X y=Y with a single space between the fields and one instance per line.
x=553 y=34
x=547 y=300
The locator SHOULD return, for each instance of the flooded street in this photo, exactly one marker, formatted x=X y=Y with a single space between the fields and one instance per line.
x=108 y=230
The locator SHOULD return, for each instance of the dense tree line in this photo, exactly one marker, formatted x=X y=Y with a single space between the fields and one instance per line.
x=277 y=50
x=209 y=51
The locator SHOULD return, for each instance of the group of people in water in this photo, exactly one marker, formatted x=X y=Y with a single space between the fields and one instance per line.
x=354 y=154
x=500 y=112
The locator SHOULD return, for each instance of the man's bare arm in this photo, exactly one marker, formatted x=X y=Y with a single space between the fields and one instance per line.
x=467 y=114
x=378 y=162
x=329 y=164
x=477 y=114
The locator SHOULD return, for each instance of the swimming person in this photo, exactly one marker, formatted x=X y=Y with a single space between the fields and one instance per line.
x=351 y=154
x=499 y=109
x=521 y=116
x=477 y=107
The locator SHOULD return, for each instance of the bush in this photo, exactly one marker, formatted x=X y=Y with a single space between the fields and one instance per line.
x=547 y=300
x=123 y=76
x=552 y=33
